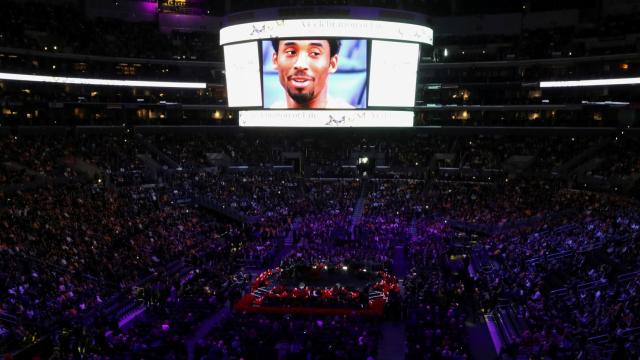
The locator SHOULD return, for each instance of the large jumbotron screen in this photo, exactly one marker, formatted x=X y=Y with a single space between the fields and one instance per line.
x=323 y=72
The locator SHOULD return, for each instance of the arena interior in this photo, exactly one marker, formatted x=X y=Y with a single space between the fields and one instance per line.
x=477 y=198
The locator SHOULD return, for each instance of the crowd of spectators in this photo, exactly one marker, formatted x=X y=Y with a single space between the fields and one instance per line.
x=618 y=160
x=174 y=305
x=434 y=311
x=561 y=257
x=32 y=158
x=567 y=277
x=73 y=247
x=29 y=158
x=321 y=240
x=290 y=337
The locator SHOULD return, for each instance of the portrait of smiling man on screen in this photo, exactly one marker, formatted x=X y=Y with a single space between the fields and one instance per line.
x=303 y=68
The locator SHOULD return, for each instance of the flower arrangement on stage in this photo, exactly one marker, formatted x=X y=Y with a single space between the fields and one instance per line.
x=274 y=287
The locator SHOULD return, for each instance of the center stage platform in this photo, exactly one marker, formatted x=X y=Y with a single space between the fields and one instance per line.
x=320 y=289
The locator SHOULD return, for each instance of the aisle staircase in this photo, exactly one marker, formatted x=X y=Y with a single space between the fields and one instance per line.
x=505 y=325
x=287 y=244
x=358 y=209
x=392 y=344
x=159 y=154
x=569 y=166
x=288 y=241
x=413 y=231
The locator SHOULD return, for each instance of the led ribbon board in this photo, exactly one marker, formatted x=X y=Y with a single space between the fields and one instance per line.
x=326 y=118
x=106 y=82
x=320 y=28
x=595 y=82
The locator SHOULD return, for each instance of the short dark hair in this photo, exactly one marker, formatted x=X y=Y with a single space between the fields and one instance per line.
x=334 y=45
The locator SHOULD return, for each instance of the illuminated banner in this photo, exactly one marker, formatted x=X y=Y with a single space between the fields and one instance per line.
x=596 y=82
x=340 y=28
x=107 y=82
x=326 y=118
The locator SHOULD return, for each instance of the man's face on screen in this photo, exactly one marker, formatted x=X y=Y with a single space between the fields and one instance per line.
x=303 y=68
